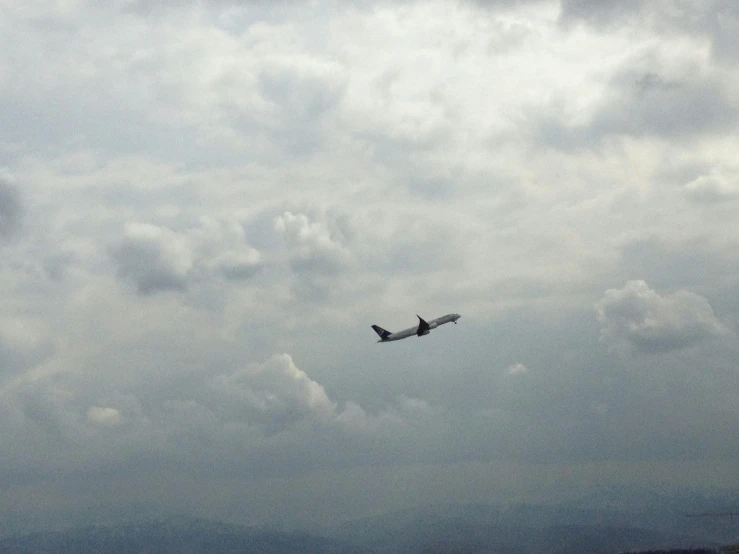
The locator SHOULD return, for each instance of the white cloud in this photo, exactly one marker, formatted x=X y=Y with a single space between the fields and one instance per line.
x=279 y=396
x=276 y=392
x=318 y=255
x=517 y=369
x=104 y=415
x=22 y=346
x=313 y=248
x=642 y=319
x=711 y=189
x=222 y=246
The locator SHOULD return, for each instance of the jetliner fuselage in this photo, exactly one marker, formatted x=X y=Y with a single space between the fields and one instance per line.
x=423 y=328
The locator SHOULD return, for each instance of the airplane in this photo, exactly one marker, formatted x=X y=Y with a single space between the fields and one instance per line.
x=423 y=328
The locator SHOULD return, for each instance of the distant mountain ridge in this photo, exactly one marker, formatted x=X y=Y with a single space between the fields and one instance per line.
x=594 y=525
x=424 y=535
x=566 y=528
x=177 y=536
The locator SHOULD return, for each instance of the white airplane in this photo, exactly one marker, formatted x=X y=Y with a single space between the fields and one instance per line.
x=423 y=328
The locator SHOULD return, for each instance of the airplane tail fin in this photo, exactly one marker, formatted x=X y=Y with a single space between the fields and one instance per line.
x=423 y=327
x=381 y=332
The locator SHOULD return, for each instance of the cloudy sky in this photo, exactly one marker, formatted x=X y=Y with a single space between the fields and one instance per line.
x=205 y=205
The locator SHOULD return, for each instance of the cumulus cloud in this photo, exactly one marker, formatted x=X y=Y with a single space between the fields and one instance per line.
x=104 y=415
x=644 y=102
x=276 y=393
x=317 y=254
x=641 y=319
x=221 y=247
x=10 y=208
x=278 y=396
x=711 y=189
x=238 y=265
x=301 y=95
x=313 y=247
x=650 y=103
x=22 y=346
x=716 y=20
x=154 y=258
x=158 y=259
x=271 y=410
x=517 y=369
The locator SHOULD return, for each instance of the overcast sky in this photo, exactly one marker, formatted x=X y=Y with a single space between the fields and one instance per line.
x=205 y=205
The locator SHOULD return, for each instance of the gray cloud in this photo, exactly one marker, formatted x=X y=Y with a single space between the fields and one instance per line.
x=21 y=348
x=318 y=254
x=723 y=25
x=644 y=104
x=696 y=263
x=264 y=417
x=238 y=266
x=642 y=319
x=650 y=104
x=714 y=20
x=10 y=209
x=711 y=189
x=302 y=97
x=600 y=12
x=276 y=393
x=298 y=172
x=154 y=258
x=157 y=259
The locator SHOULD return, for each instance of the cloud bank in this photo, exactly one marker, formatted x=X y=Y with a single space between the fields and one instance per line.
x=211 y=202
x=641 y=318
